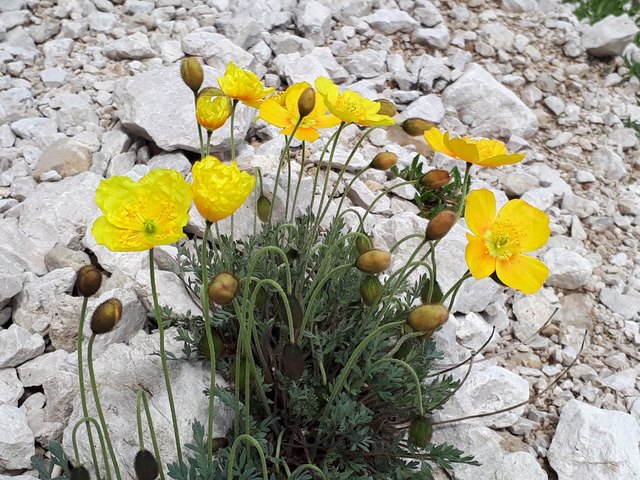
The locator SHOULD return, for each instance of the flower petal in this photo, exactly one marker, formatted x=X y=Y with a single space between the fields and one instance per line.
x=531 y=224
x=435 y=138
x=522 y=272
x=271 y=112
x=480 y=211
x=463 y=150
x=500 y=160
x=116 y=197
x=118 y=239
x=306 y=134
x=326 y=121
x=480 y=263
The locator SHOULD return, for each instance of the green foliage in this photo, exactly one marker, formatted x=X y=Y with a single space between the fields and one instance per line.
x=58 y=457
x=596 y=10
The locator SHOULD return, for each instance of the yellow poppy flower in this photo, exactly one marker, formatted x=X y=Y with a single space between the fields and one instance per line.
x=141 y=215
x=497 y=242
x=212 y=109
x=243 y=85
x=286 y=116
x=350 y=106
x=480 y=151
x=219 y=189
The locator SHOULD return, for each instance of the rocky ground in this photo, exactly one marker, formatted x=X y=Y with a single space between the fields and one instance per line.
x=90 y=89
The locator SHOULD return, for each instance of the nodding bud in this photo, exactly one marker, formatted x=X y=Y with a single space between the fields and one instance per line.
x=435 y=179
x=416 y=126
x=296 y=310
x=223 y=288
x=306 y=102
x=428 y=317
x=292 y=361
x=106 y=316
x=420 y=432
x=384 y=161
x=373 y=261
x=145 y=465
x=192 y=73
x=436 y=293
x=440 y=225
x=403 y=351
x=80 y=473
x=363 y=243
x=370 y=289
x=387 y=107
x=263 y=208
x=88 y=280
x=217 y=345
x=218 y=443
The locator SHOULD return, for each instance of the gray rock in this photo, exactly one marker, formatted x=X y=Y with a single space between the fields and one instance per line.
x=134 y=47
x=593 y=444
x=54 y=77
x=121 y=164
x=542 y=198
x=324 y=56
x=171 y=51
x=607 y=165
x=17 y=346
x=492 y=109
x=428 y=107
x=427 y=14
x=624 y=381
x=520 y=6
x=626 y=306
x=314 y=20
x=216 y=50
x=158 y=106
x=102 y=21
x=428 y=71
x=391 y=21
x=175 y=160
x=609 y=36
x=242 y=30
x=44 y=431
x=437 y=37
x=172 y=292
x=34 y=372
x=73 y=110
x=531 y=312
x=299 y=69
x=286 y=42
x=16 y=439
x=20 y=248
x=555 y=104
x=11 y=388
x=518 y=183
x=66 y=156
x=567 y=269
x=367 y=64
x=472 y=331
x=29 y=128
x=12 y=5
x=520 y=465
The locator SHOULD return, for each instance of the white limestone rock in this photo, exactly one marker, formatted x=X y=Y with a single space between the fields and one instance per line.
x=172 y=292
x=607 y=165
x=16 y=439
x=44 y=431
x=34 y=372
x=11 y=276
x=531 y=312
x=19 y=249
x=133 y=47
x=609 y=36
x=11 y=389
x=66 y=156
x=217 y=52
x=428 y=107
x=567 y=269
x=314 y=20
x=593 y=444
x=391 y=21
x=17 y=346
x=520 y=6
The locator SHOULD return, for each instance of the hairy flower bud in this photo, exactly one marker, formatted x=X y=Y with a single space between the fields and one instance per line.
x=373 y=261
x=416 y=126
x=387 y=107
x=223 y=288
x=435 y=179
x=217 y=345
x=218 y=443
x=106 y=316
x=145 y=465
x=88 y=280
x=363 y=243
x=440 y=225
x=192 y=73
x=428 y=317
x=80 y=473
x=306 y=102
x=436 y=294
x=370 y=289
x=292 y=361
x=420 y=432
x=263 y=208
x=384 y=161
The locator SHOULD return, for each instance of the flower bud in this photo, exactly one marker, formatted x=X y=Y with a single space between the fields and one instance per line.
x=403 y=351
x=263 y=208
x=306 y=102
x=384 y=161
x=292 y=361
x=88 y=280
x=416 y=126
x=428 y=317
x=370 y=290
x=145 y=465
x=363 y=243
x=192 y=73
x=436 y=294
x=296 y=310
x=435 y=179
x=106 y=316
x=80 y=473
x=373 y=261
x=217 y=345
x=440 y=225
x=387 y=107
x=420 y=432
x=223 y=288
x=218 y=443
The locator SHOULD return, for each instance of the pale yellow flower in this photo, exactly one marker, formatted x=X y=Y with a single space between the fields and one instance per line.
x=243 y=85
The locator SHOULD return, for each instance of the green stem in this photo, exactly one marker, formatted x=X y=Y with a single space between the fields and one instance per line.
x=88 y=420
x=434 y=272
x=295 y=195
x=152 y=432
x=316 y=175
x=234 y=452
x=466 y=184
x=202 y=151
x=453 y=291
x=412 y=372
x=382 y=194
x=233 y=117
x=328 y=171
x=309 y=466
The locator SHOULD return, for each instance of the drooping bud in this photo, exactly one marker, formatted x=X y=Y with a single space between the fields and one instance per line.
x=263 y=208
x=223 y=288
x=88 y=280
x=192 y=73
x=296 y=310
x=440 y=225
x=436 y=294
x=420 y=432
x=292 y=361
x=261 y=297
x=370 y=289
x=387 y=107
x=416 y=126
x=217 y=345
x=145 y=465
x=428 y=317
x=80 y=473
x=363 y=243
x=384 y=161
x=435 y=179
x=218 y=443
x=403 y=351
x=306 y=102
x=106 y=316
x=373 y=261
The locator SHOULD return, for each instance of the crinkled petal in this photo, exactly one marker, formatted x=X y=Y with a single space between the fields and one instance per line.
x=531 y=223
x=522 y=272
x=118 y=239
x=480 y=263
x=462 y=150
x=117 y=197
x=480 y=211
x=327 y=89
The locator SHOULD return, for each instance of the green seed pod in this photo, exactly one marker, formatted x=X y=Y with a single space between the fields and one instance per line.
x=145 y=465
x=219 y=443
x=88 y=280
x=191 y=73
x=296 y=311
x=436 y=294
x=435 y=179
x=80 y=473
x=426 y=318
x=373 y=261
x=363 y=244
x=293 y=361
x=370 y=290
x=387 y=107
x=440 y=225
x=217 y=344
x=306 y=102
x=223 y=288
x=263 y=208
x=106 y=316
x=416 y=126
x=384 y=161
x=420 y=432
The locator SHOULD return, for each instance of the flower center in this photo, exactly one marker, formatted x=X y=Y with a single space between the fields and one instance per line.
x=348 y=104
x=502 y=240
x=149 y=227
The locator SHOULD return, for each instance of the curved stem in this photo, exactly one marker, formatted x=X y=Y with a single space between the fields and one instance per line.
x=152 y=432
x=309 y=466
x=234 y=451
x=74 y=439
x=412 y=372
x=466 y=184
x=382 y=194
